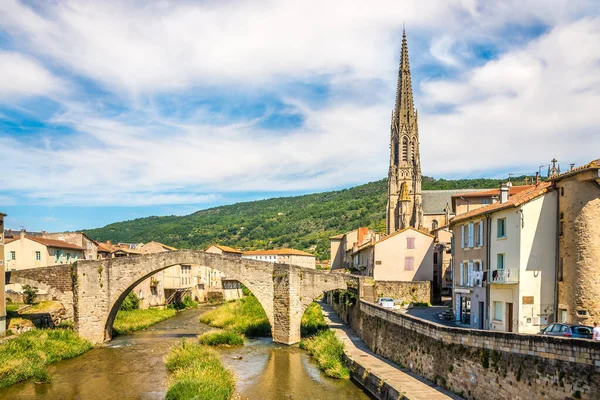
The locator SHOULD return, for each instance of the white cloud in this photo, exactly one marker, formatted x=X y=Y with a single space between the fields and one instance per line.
x=23 y=76
x=533 y=102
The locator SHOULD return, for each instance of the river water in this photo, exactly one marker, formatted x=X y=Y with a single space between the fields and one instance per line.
x=132 y=367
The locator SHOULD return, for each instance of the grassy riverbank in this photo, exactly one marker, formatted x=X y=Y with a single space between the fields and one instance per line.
x=221 y=338
x=198 y=373
x=244 y=316
x=28 y=355
x=327 y=350
x=135 y=320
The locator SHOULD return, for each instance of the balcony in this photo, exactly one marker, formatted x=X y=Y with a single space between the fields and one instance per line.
x=505 y=276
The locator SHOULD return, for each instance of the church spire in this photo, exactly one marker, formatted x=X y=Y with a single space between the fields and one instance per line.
x=404 y=110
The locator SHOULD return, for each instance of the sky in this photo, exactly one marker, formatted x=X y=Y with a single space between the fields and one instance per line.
x=113 y=110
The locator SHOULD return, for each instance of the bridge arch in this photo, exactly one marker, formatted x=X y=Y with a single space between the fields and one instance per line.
x=262 y=292
x=284 y=291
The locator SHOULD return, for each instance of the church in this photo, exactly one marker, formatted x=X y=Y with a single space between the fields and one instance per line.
x=408 y=205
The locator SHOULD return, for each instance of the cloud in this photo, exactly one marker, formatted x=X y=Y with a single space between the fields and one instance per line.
x=170 y=102
x=22 y=76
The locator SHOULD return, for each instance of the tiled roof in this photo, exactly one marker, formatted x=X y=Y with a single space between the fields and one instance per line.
x=340 y=236
x=283 y=252
x=402 y=231
x=513 y=201
x=591 y=165
x=104 y=247
x=227 y=249
x=126 y=250
x=59 y=244
x=158 y=243
x=494 y=192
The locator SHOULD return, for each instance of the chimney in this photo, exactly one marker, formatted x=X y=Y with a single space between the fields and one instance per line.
x=537 y=178
x=22 y=233
x=572 y=167
x=504 y=193
x=108 y=242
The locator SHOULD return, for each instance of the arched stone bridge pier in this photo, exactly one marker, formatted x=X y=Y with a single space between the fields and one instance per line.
x=98 y=287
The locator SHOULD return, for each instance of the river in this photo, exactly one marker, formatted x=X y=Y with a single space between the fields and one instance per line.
x=132 y=367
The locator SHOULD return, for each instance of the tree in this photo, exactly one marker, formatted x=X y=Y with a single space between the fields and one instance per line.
x=29 y=294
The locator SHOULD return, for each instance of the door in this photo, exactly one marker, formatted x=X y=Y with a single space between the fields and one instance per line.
x=466 y=310
x=480 y=323
x=509 y=317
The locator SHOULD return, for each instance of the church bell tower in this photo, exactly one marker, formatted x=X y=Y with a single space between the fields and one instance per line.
x=405 y=202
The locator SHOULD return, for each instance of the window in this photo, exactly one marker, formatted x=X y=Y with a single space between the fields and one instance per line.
x=434 y=224
x=560 y=276
x=435 y=258
x=38 y=256
x=498 y=310
x=562 y=191
x=561 y=224
x=13 y=255
x=409 y=263
x=476 y=233
x=410 y=243
x=396 y=156
x=57 y=255
x=404 y=149
x=502 y=228
x=562 y=314
x=486 y=200
x=500 y=261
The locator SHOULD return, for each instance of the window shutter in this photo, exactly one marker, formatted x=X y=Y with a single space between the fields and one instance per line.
x=462 y=273
x=409 y=263
x=470 y=279
x=462 y=236
x=480 y=234
x=471 y=229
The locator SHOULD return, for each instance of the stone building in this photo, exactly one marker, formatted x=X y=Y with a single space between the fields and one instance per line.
x=90 y=248
x=578 y=269
x=343 y=246
x=210 y=280
x=2 y=295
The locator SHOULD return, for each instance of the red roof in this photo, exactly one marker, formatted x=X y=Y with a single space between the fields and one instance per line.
x=59 y=244
x=515 y=200
x=226 y=249
x=494 y=192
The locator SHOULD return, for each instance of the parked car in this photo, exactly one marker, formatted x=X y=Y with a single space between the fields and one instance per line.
x=565 y=330
x=386 y=302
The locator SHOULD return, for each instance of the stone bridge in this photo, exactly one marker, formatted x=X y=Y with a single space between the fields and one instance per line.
x=92 y=291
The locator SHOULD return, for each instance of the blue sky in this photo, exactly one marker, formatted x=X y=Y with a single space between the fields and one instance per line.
x=117 y=110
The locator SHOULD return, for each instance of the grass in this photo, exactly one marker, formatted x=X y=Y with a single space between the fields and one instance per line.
x=312 y=321
x=327 y=350
x=244 y=316
x=198 y=373
x=28 y=355
x=221 y=338
x=135 y=320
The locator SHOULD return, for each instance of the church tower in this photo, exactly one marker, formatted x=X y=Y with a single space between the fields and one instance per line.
x=405 y=203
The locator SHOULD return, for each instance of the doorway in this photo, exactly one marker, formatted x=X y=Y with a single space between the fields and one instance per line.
x=466 y=310
x=480 y=323
x=509 y=317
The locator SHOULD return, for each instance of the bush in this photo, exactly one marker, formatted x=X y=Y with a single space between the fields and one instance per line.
x=312 y=321
x=221 y=338
x=130 y=303
x=30 y=294
x=328 y=351
x=198 y=373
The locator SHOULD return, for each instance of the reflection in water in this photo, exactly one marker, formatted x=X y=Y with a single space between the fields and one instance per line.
x=132 y=367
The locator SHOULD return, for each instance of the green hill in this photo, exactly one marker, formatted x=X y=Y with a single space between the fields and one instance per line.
x=301 y=222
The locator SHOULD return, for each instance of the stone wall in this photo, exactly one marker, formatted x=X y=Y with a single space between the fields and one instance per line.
x=407 y=292
x=57 y=276
x=480 y=364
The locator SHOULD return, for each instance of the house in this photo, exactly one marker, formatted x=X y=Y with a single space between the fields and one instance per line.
x=516 y=239
x=34 y=251
x=90 y=248
x=2 y=295
x=283 y=256
x=212 y=280
x=343 y=246
x=578 y=221
x=406 y=255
